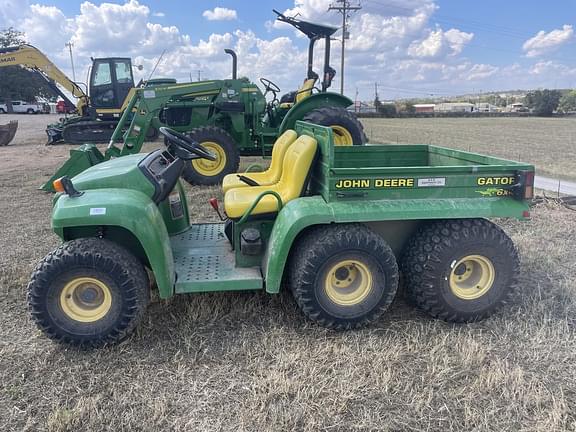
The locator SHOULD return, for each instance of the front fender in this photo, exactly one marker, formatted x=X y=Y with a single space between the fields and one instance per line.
x=318 y=100
x=130 y=210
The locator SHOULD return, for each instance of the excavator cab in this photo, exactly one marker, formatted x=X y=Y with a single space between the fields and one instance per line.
x=110 y=82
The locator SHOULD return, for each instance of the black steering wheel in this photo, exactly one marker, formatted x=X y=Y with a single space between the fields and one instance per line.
x=188 y=144
x=269 y=86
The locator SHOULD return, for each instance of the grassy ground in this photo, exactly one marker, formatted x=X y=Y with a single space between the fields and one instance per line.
x=548 y=143
x=248 y=361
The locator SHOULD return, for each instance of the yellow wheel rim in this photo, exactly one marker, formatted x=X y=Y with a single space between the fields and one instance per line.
x=342 y=137
x=348 y=282
x=472 y=277
x=207 y=167
x=86 y=299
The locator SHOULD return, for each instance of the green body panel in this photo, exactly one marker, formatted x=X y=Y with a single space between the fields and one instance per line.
x=128 y=209
x=80 y=159
x=318 y=100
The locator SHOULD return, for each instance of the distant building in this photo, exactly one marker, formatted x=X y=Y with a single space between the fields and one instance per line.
x=485 y=107
x=424 y=108
x=516 y=107
x=454 y=107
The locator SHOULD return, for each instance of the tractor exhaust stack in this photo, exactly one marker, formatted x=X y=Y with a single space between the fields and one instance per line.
x=234 y=62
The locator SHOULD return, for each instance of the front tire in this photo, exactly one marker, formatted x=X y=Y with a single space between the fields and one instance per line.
x=346 y=127
x=343 y=276
x=88 y=292
x=223 y=146
x=460 y=270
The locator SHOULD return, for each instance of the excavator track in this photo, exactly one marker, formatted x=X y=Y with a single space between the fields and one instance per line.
x=90 y=131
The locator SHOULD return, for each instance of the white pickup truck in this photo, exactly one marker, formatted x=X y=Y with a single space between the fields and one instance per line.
x=22 y=107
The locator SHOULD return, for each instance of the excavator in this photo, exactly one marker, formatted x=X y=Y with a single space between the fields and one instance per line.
x=98 y=109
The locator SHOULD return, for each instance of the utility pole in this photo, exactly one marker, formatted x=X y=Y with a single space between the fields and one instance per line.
x=70 y=45
x=344 y=7
x=199 y=74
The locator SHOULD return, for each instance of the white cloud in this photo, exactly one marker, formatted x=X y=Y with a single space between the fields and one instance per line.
x=392 y=43
x=544 y=43
x=220 y=14
x=159 y=14
x=440 y=44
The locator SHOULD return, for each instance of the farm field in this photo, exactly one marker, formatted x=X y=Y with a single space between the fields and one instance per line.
x=251 y=362
x=548 y=143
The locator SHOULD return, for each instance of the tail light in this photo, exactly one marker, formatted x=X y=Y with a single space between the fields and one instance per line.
x=524 y=188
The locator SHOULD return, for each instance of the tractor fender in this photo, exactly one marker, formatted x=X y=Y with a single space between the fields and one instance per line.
x=129 y=210
x=318 y=100
x=294 y=218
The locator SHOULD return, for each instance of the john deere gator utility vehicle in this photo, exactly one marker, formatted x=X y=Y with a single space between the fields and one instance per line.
x=229 y=117
x=98 y=108
x=338 y=224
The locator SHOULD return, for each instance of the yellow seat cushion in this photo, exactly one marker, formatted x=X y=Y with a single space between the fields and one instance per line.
x=302 y=93
x=305 y=90
x=272 y=174
x=296 y=166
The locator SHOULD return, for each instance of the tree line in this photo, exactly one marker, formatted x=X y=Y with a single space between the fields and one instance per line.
x=17 y=83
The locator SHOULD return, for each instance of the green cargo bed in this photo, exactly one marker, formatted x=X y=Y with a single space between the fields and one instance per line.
x=415 y=171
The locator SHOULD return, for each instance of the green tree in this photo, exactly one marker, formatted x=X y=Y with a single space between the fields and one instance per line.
x=17 y=83
x=543 y=102
x=568 y=102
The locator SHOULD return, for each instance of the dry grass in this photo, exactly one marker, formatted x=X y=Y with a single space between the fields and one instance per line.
x=548 y=143
x=249 y=361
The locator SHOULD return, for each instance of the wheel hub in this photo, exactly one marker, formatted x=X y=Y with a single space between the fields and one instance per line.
x=472 y=277
x=348 y=282
x=207 y=167
x=86 y=299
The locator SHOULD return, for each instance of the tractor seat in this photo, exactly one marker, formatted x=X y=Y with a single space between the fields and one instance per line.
x=272 y=174
x=302 y=93
x=296 y=166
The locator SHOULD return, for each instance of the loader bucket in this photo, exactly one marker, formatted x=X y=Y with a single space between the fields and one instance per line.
x=7 y=133
x=81 y=159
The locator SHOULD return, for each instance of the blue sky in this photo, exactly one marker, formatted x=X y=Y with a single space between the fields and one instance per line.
x=409 y=47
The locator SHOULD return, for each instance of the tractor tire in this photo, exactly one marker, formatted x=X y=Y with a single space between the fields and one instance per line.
x=88 y=292
x=343 y=276
x=460 y=270
x=347 y=128
x=219 y=142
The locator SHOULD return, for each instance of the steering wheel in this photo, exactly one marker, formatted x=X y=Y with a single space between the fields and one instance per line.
x=270 y=86
x=188 y=144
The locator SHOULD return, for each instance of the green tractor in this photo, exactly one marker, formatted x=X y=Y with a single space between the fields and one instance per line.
x=230 y=117
x=338 y=224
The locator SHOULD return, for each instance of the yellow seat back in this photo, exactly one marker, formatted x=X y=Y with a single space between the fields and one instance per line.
x=274 y=171
x=295 y=169
x=297 y=163
x=305 y=90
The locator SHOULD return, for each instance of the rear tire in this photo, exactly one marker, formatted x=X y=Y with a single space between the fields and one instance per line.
x=2 y=111
x=347 y=128
x=220 y=143
x=30 y=111
x=460 y=270
x=88 y=292
x=343 y=276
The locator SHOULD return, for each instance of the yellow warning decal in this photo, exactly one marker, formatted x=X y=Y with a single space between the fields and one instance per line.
x=495 y=181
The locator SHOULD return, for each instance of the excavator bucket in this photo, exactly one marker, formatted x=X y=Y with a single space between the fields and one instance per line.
x=7 y=133
x=80 y=159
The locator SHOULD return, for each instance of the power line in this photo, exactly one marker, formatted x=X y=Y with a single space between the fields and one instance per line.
x=344 y=7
